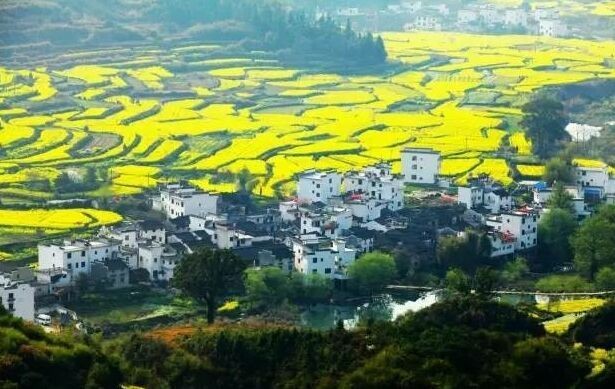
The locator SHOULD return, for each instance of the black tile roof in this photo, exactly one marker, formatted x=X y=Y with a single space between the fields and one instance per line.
x=151 y=225
x=362 y=233
x=186 y=237
x=181 y=222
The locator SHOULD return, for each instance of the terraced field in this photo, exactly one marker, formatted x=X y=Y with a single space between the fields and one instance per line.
x=144 y=116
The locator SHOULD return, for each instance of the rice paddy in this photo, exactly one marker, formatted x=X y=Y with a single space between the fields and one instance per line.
x=223 y=115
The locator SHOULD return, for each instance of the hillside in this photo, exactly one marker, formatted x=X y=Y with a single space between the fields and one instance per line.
x=428 y=349
x=33 y=27
x=29 y=358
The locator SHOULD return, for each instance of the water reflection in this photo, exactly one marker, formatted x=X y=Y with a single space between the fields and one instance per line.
x=381 y=307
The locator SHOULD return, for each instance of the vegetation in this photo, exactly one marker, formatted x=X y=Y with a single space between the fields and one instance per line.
x=207 y=275
x=555 y=230
x=269 y=287
x=251 y=110
x=29 y=358
x=545 y=121
x=594 y=246
x=372 y=271
x=466 y=253
x=507 y=348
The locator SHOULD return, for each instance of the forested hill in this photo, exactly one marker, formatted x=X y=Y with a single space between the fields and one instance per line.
x=466 y=342
x=44 y=25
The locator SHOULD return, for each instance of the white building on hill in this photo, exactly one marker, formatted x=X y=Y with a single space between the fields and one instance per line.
x=376 y=183
x=76 y=255
x=493 y=199
x=17 y=298
x=327 y=257
x=521 y=224
x=420 y=166
x=552 y=27
x=176 y=200
x=317 y=186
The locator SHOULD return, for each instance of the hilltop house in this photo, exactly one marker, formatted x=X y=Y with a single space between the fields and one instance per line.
x=420 y=166
x=324 y=256
x=17 y=297
x=317 y=186
x=177 y=200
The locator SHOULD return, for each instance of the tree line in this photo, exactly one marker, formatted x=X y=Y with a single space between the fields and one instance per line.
x=272 y=27
x=466 y=340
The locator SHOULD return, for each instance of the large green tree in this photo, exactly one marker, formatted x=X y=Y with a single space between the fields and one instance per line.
x=555 y=229
x=594 y=243
x=558 y=170
x=372 y=271
x=467 y=253
x=207 y=275
x=545 y=122
x=267 y=286
x=561 y=199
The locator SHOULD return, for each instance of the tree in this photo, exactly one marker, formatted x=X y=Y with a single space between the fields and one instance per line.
x=561 y=199
x=545 y=121
x=372 y=271
x=267 y=286
x=457 y=282
x=563 y=283
x=557 y=170
x=466 y=253
x=605 y=278
x=310 y=288
x=485 y=281
x=515 y=270
x=555 y=229
x=207 y=275
x=596 y=328
x=594 y=246
x=539 y=360
x=245 y=181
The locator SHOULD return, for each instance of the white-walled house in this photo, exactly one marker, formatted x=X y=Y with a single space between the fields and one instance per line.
x=521 y=224
x=366 y=210
x=516 y=17
x=552 y=28
x=327 y=257
x=176 y=200
x=152 y=230
x=289 y=210
x=17 y=298
x=420 y=166
x=159 y=260
x=497 y=200
x=501 y=243
x=329 y=221
x=378 y=183
x=315 y=186
x=470 y=196
x=494 y=199
x=424 y=22
x=76 y=256
x=592 y=181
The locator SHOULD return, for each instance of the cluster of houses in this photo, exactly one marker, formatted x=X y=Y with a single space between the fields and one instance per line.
x=477 y=17
x=332 y=220
x=473 y=17
x=514 y=228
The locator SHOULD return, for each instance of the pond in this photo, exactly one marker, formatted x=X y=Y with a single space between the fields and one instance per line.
x=389 y=307
x=382 y=307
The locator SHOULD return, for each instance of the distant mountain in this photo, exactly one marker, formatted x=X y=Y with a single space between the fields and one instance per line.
x=47 y=25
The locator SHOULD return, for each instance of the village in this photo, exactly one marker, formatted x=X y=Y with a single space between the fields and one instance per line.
x=472 y=18
x=333 y=220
